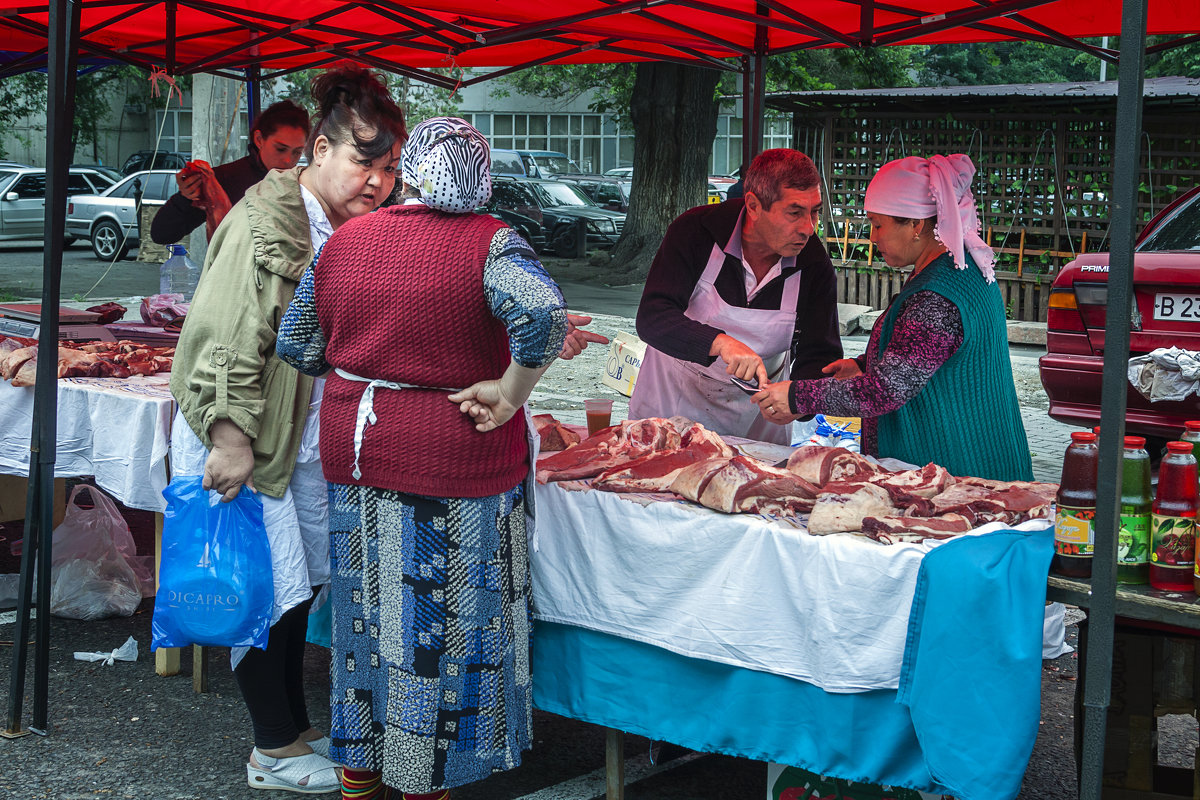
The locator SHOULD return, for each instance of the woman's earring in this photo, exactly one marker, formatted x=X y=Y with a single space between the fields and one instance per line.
x=916 y=237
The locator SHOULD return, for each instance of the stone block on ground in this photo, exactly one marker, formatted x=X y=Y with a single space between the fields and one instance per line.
x=867 y=320
x=848 y=317
x=1032 y=333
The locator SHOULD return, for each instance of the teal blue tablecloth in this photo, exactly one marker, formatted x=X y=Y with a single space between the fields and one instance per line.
x=963 y=721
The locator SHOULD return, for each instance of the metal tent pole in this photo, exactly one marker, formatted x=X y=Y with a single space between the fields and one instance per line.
x=39 y=512
x=1127 y=146
x=253 y=96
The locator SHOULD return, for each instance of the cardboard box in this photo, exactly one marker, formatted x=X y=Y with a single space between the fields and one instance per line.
x=625 y=354
x=793 y=783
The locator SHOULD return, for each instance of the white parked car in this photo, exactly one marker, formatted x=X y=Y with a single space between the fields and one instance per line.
x=108 y=220
x=23 y=198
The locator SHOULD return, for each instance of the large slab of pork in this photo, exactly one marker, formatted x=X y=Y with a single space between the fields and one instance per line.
x=907 y=486
x=748 y=485
x=841 y=507
x=657 y=471
x=611 y=447
x=1043 y=489
x=820 y=465
x=691 y=481
x=981 y=504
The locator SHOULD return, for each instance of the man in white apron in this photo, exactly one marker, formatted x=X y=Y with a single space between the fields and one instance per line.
x=744 y=288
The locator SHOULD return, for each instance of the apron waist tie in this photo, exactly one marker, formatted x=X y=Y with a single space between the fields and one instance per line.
x=366 y=407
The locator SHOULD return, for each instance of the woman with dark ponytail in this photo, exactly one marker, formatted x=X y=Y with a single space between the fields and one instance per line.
x=247 y=419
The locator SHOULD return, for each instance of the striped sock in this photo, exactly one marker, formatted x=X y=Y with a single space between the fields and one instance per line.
x=362 y=784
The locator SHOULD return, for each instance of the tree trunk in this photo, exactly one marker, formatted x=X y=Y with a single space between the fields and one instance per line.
x=674 y=112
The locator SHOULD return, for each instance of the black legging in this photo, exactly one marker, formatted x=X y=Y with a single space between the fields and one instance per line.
x=272 y=681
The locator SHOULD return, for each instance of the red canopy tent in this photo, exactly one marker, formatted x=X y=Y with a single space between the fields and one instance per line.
x=266 y=38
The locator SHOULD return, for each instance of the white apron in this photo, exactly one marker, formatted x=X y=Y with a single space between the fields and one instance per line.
x=669 y=386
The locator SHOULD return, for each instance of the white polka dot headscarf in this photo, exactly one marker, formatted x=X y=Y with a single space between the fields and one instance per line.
x=449 y=163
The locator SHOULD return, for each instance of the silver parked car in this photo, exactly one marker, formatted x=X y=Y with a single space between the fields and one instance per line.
x=23 y=198
x=108 y=218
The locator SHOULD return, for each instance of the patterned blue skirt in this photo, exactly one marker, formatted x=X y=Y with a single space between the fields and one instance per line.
x=431 y=623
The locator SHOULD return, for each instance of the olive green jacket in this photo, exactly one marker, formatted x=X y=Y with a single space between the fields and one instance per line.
x=225 y=364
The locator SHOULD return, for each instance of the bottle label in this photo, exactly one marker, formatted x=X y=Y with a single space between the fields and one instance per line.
x=1073 y=532
x=1172 y=541
x=1133 y=540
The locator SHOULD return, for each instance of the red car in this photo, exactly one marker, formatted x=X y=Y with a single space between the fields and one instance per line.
x=1166 y=312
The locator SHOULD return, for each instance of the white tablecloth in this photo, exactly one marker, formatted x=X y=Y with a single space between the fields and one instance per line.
x=116 y=429
x=735 y=589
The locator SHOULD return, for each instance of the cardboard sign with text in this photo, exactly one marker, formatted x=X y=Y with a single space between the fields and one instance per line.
x=625 y=355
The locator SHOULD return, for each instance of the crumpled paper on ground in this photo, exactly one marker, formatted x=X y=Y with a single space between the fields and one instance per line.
x=1166 y=374
x=126 y=652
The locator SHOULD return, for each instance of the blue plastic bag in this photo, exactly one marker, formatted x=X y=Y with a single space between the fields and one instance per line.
x=215 y=584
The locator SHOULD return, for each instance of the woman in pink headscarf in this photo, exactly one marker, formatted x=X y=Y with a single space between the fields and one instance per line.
x=935 y=384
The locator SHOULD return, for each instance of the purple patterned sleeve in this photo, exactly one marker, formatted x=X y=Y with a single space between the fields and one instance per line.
x=928 y=330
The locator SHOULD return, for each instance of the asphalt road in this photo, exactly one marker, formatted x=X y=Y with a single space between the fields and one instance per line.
x=83 y=275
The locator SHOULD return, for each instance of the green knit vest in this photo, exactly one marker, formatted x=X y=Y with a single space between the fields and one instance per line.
x=966 y=418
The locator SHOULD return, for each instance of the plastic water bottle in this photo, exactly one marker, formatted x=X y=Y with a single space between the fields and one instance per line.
x=178 y=274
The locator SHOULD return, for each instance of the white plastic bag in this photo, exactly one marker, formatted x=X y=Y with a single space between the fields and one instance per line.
x=1054 y=631
x=126 y=652
x=91 y=576
x=1168 y=374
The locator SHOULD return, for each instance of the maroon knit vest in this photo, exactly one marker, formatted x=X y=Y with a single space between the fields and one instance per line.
x=400 y=298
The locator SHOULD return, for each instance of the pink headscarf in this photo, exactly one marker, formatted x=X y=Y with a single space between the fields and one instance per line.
x=918 y=188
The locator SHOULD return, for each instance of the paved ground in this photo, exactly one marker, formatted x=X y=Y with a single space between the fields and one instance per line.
x=121 y=732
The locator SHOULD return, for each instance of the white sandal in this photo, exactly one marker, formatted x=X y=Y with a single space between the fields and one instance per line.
x=285 y=774
x=321 y=746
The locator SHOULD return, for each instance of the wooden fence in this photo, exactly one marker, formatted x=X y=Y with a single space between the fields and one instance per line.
x=1025 y=294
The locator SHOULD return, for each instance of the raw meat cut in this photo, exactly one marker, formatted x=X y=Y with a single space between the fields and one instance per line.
x=691 y=480
x=15 y=360
x=926 y=482
x=842 y=510
x=891 y=530
x=846 y=465
x=657 y=471
x=609 y=448
x=813 y=463
x=85 y=360
x=555 y=436
x=747 y=485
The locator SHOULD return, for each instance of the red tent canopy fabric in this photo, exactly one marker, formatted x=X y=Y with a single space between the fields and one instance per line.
x=282 y=35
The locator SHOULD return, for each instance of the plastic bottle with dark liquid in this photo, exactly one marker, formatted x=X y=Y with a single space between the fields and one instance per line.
x=1133 y=537
x=1173 y=521
x=1074 y=536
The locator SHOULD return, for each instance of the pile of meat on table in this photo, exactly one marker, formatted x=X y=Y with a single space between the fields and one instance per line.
x=839 y=490
x=18 y=359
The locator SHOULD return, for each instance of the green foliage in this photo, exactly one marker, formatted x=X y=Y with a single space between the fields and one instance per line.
x=611 y=85
x=8 y=296
x=25 y=94
x=20 y=96
x=843 y=68
x=419 y=100
x=1005 y=62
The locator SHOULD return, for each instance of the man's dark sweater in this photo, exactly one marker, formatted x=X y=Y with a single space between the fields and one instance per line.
x=179 y=217
x=677 y=268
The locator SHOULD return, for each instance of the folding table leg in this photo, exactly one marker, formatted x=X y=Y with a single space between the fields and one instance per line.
x=199 y=668
x=166 y=659
x=614 y=763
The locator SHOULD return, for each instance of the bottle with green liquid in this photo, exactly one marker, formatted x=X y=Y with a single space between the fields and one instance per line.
x=1133 y=538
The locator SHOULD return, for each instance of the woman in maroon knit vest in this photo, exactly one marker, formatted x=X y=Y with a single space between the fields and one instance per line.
x=436 y=322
